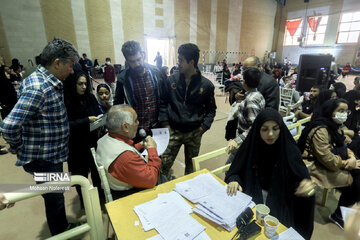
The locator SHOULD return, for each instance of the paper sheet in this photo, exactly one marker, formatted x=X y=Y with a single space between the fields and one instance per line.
x=345 y=212
x=161 y=136
x=288 y=234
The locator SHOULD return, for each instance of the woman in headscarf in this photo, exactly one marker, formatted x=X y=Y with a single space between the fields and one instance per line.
x=82 y=109
x=269 y=168
x=322 y=97
x=334 y=165
x=103 y=94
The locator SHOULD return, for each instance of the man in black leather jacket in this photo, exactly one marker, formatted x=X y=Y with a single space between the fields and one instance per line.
x=187 y=108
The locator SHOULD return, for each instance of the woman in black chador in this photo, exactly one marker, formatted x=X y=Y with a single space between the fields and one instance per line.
x=82 y=109
x=269 y=168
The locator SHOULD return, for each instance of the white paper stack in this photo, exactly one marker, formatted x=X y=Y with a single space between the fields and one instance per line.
x=169 y=215
x=288 y=234
x=214 y=203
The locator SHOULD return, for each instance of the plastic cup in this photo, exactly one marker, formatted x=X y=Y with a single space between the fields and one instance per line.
x=271 y=225
x=261 y=212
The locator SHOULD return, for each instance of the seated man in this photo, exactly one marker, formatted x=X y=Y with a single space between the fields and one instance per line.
x=126 y=169
x=308 y=105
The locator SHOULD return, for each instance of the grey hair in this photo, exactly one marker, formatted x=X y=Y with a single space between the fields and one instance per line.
x=255 y=60
x=117 y=115
x=59 y=48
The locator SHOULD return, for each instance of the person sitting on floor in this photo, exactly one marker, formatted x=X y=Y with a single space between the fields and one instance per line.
x=334 y=164
x=126 y=169
x=268 y=167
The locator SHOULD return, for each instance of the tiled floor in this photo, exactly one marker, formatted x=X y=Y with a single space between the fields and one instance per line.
x=27 y=219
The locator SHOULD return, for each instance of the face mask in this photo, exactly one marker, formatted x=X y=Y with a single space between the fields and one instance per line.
x=340 y=118
x=108 y=63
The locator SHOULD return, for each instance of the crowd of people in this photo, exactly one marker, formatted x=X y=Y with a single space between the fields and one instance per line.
x=46 y=122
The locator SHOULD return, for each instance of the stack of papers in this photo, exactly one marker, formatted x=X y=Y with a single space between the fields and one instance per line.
x=214 y=203
x=169 y=215
x=288 y=234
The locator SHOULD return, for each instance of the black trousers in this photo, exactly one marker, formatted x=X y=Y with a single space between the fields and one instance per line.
x=81 y=162
x=351 y=194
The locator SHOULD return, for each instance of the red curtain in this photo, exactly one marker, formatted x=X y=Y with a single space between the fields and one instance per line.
x=314 y=23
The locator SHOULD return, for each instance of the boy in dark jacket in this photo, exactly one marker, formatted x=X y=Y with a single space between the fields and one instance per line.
x=187 y=108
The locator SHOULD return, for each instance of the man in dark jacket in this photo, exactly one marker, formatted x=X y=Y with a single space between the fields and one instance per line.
x=268 y=86
x=187 y=108
x=139 y=86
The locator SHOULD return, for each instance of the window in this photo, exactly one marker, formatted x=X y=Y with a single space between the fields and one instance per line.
x=317 y=37
x=349 y=29
x=293 y=40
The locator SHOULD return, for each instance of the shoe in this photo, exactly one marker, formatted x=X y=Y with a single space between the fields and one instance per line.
x=337 y=220
x=72 y=225
x=3 y=151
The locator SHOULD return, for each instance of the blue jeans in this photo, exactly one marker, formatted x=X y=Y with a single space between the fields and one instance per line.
x=54 y=202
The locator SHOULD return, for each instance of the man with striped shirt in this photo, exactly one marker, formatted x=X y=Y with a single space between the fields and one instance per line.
x=37 y=128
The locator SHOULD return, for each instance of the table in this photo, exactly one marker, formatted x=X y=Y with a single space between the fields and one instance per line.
x=123 y=217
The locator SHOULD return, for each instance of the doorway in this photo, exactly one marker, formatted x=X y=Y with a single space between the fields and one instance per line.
x=164 y=47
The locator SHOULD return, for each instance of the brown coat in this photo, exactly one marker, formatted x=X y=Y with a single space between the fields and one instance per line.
x=327 y=170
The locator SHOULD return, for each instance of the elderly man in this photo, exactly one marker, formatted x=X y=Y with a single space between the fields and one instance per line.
x=268 y=86
x=139 y=86
x=125 y=167
x=37 y=128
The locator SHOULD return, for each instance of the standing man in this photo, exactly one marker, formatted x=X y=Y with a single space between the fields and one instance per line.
x=158 y=60
x=110 y=75
x=88 y=63
x=37 y=128
x=139 y=86
x=268 y=86
x=187 y=108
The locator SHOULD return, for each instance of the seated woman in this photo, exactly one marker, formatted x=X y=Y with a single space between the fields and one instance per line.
x=269 y=168
x=322 y=97
x=103 y=93
x=82 y=109
x=335 y=166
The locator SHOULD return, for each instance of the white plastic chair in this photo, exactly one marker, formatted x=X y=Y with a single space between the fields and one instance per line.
x=104 y=185
x=286 y=95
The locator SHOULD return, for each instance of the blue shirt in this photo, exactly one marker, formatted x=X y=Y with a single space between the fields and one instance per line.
x=37 y=127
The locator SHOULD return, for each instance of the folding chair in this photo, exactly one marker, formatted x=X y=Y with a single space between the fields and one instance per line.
x=196 y=161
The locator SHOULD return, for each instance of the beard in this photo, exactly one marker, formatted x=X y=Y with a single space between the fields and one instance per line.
x=138 y=70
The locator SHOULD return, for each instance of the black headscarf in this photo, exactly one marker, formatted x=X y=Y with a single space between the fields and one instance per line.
x=354 y=116
x=322 y=97
x=340 y=89
x=282 y=163
x=325 y=119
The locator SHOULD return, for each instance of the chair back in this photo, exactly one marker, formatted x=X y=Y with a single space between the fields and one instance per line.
x=104 y=181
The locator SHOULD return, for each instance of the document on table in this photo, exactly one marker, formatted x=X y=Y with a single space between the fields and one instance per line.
x=198 y=187
x=288 y=234
x=345 y=212
x=202 y=236
x=161 y=136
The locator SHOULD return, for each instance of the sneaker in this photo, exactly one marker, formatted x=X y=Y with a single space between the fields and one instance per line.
x=337 y=220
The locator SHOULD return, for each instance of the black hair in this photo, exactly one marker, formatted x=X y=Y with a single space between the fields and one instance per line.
x=130 y=48
x=190 y=52
x=318 y=86
x=329 y=107
x=104 y=86
x=84 y=55
x=108 y=59
x=340 y=89
x=252 y=77
x=357 y=80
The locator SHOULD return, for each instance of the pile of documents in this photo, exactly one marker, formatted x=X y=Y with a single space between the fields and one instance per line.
x=214 y=203
x=169 y=215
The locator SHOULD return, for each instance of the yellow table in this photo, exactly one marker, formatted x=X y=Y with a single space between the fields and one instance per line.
x=123 y=217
